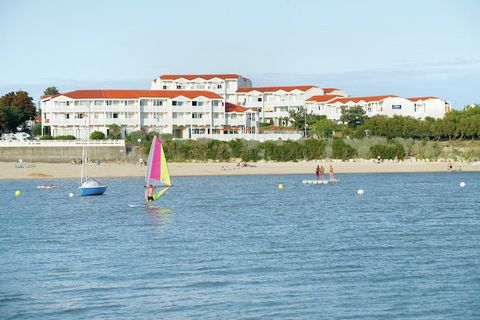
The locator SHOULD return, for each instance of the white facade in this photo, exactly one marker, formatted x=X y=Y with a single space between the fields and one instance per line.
x=430 y=107
x=181 y=113
x=389 y=105
x=274 y=103
x=224 y=85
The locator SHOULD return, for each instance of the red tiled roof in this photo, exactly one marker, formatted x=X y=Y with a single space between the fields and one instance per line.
x=231 y=107
x=38 y=118
x=136 y=94
x=358 y=99
x=274 y=89
x=328 y=90
x=324 y=98
x=201 y=76
x=421 y=98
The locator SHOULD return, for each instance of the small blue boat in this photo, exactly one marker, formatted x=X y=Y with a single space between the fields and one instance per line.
x=91 y=187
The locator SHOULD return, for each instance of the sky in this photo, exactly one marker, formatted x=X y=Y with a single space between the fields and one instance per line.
x=369 y=47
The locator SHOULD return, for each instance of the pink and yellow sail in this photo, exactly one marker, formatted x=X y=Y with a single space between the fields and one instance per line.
x=157 y=169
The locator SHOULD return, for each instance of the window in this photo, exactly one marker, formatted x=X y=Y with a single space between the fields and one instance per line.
x=115 y=115
x=179 y=86
x=67 y=116
x=174 y=115
x=157 y=102
x=164 y=87
x=109 y=102
x=219 y=86
x=196 y=115
x=194 y=103
x=259 y=99
x=174 y=103
x=215 y=103
x=67 y=103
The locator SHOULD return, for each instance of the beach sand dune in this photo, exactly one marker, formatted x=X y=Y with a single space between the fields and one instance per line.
x=8 y=170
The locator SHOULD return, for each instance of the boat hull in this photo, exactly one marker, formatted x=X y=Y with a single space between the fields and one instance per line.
x=92 y=191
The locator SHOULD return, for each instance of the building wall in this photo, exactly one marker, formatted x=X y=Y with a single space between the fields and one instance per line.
x=275 y=106
x=179 y=116
x=223 y=87
x=434 y=108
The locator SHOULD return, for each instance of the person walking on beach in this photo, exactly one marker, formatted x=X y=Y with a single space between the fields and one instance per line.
x=330 y=178
x=317 y=172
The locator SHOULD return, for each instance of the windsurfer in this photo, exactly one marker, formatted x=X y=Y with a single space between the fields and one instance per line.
x=150 y=190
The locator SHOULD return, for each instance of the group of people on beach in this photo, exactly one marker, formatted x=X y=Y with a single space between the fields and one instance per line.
x=320 y=172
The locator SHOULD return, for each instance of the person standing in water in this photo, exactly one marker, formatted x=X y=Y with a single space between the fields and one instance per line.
x=322 y=172
x=331 y=178
x=317 y=172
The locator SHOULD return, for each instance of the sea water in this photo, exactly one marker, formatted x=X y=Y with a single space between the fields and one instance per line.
x=238 y=247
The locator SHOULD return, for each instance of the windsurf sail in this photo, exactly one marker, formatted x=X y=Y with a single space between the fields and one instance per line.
x=157 y=170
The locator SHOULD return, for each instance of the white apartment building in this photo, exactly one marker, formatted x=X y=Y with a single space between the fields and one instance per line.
x=318 y=105
x=387 y=105
x=181 y=113
x=224 y=85
x=430 y=107
x=274 y=103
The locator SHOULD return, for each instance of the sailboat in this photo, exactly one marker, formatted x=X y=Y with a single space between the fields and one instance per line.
x=157 y=170
x=88 y=186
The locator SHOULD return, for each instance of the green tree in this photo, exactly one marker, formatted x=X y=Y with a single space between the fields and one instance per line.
x=114 y=131
x=353 y=116
x=300 y=118
x=51 y=91
x=37 y=129
x=323 y=128
x=16 y=107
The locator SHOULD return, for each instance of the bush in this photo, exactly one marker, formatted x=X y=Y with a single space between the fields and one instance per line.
x=46 y=137
x=389 y=151
x=219 y=150
x=236 y=147
x=65 y=137
x=314 y=149
x=341 y=150
x=135 y=135
x=114 y=131
x=97 y=135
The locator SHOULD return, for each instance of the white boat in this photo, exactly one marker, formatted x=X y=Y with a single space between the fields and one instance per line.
x=88 y=186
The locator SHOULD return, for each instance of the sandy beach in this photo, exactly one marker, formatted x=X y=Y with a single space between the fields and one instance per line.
x=8 y=170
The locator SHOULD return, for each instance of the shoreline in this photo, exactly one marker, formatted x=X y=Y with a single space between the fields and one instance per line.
x=8 y=170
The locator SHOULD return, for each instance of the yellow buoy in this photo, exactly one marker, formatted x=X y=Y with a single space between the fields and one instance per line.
x=17 y=193
x=280 y=186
